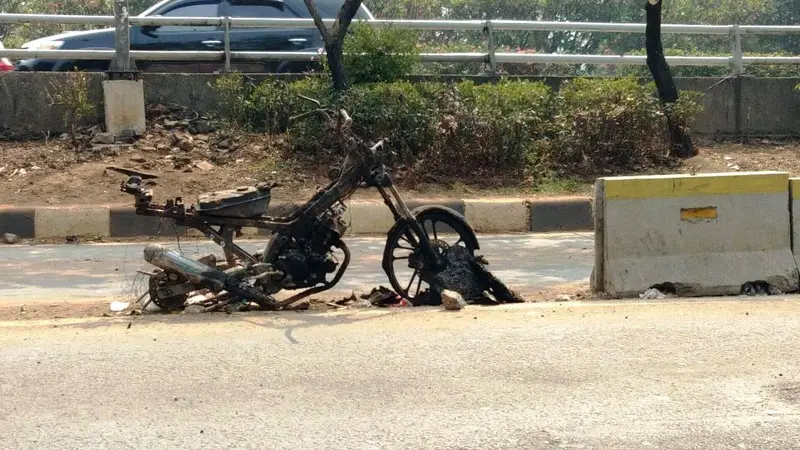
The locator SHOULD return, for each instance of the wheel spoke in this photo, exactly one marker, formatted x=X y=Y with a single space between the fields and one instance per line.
x=398 y=258
x=433 y=226
x=419 y=286
x=413 y=277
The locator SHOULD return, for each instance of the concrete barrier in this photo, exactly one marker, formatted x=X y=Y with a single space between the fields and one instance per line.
x=794 y=207
x=706 y=234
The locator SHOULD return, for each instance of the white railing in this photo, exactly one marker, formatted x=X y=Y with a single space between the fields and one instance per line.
x=122 y=54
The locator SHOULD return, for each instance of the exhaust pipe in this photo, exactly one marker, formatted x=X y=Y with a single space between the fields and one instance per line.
x=201 y=274
x=195 y=271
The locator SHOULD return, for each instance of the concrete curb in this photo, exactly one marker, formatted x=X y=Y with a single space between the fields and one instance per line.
x=496 y=215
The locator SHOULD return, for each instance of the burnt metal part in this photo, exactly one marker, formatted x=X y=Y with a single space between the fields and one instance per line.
x=243 y=202
x=161 y=293
x=204 y=276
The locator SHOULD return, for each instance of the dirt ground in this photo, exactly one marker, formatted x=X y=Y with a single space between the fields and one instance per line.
x=12 y=311
x=52 y=172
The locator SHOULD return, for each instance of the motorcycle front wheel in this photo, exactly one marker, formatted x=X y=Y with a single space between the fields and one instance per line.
x=403 y=260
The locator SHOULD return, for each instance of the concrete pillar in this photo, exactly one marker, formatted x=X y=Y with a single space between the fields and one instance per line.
x=124 y=106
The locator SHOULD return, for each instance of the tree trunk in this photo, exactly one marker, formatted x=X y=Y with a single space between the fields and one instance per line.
x=336 y=65
x=682 y=146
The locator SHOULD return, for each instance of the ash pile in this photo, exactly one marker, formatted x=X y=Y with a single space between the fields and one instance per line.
x=464 y=280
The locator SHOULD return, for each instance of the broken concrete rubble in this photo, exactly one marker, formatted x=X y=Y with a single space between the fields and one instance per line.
x=452 y=301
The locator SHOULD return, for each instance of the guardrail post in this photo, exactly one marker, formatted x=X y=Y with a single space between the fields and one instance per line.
x=489 y=30
x=738 y=64
x=122 y=38
x=123 y=91
x=227 y=43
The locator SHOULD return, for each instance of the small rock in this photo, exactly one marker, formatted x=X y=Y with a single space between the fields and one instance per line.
x=361 y=303
x=765 y=141
x=106 y=150
x=563 y=298
x=184 y=123
x=186 y=144
x=10 y=238
x=103 y=138
x=23 y=172
x=202 y=126
x=162 y=148
x=205 y=166
x=149 y=149
x=727 y=158
x=170 y=123
x=194 y=309
x=118 y=306
x=452 y=301
x=225 y=144
x=201 y=138
x=188 y=170
x=22 y=309
x=652 y=294
x=138 y=159
x=128 y=135
x=36 y=168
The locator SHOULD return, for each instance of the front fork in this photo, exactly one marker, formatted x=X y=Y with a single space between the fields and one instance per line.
x=401 y=212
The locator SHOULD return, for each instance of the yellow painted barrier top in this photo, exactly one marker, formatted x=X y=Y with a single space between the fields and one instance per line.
x=685 y=185
x=794 y=185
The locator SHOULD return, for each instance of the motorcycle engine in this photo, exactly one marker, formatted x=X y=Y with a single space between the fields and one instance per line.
x=305 y=269
x=306 y=258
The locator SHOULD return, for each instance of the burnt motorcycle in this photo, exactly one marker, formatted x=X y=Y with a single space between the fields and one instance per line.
x=306 y=251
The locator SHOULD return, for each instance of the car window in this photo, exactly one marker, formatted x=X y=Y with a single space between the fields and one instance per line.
x=192 y=10
x=328 y=9
x=260 y=11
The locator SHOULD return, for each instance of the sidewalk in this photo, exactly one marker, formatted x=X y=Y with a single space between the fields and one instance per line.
x=366 y=217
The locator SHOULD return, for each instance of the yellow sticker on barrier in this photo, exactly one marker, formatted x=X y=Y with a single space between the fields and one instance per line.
x=705 y=213
x=680 y=185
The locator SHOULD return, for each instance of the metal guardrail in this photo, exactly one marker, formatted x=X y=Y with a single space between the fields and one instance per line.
x=122 y=53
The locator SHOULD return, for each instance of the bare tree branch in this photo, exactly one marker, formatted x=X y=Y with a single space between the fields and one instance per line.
x=346 y=14
x=312 y=9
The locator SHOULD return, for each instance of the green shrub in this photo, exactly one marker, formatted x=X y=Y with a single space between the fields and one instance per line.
x=232 y=93
x=504 y=125
x=591 y=127
x=606 y=126
x=374 y=54
x=395 y=110
x=310 y=136
x=269 y=106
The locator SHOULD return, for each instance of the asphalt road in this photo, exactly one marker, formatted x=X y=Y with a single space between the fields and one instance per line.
x=107 y=272
x=603 y=375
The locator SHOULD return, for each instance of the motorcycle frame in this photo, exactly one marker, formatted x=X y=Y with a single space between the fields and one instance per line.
x=295 y=224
